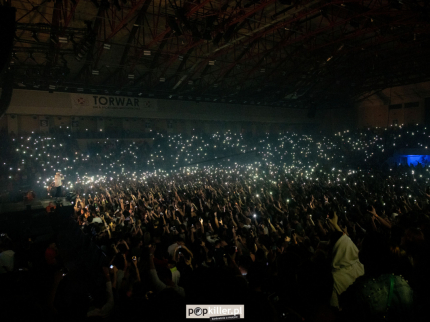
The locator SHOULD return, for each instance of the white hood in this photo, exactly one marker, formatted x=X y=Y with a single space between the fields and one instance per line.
x=346 y=266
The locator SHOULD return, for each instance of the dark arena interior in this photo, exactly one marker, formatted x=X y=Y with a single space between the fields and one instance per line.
x=259 y=160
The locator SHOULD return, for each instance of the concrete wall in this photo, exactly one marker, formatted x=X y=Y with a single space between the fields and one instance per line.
x=37 y=110
x=27 y=102
x=380 y=115
x=78 y=111
x=340 y=119
x=29 y=108
x=3 y=123
x=375 y=111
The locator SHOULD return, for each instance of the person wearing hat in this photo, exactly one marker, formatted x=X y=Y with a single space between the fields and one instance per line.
x=58 y=182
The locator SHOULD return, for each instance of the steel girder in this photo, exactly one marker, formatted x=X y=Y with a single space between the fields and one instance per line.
x=264 y=47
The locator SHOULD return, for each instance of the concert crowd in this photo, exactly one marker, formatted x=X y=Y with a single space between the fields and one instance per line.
x=295 y=227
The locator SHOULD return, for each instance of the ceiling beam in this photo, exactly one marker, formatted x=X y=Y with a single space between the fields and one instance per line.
x=153 y=63
x=34 y=9
x=104 y=6
x=162 y=36
x=306 y=35
x=54 y=44
x=121 y=24
x=70 y=15
x=137 y=24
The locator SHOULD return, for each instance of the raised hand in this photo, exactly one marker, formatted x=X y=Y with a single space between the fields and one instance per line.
x=373 y=211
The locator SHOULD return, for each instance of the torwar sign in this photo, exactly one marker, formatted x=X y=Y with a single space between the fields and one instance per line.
x=112 y=102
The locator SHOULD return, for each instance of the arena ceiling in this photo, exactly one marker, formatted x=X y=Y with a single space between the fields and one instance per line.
x=292 y=53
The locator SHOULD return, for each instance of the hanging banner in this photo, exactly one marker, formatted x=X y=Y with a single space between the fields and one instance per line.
x=106 y=102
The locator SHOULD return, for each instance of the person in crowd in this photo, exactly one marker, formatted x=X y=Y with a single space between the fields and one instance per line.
x=103 y=302
x=7 y=255
x=51 y=255
x=51 y=207
x=30 y=196
x=379 y=294
x=58 y=183
x=346 y=264
x=162 y=279
x=176 y=275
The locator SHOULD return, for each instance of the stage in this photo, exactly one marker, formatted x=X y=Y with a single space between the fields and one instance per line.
x=30 y=219
x=35 y=206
